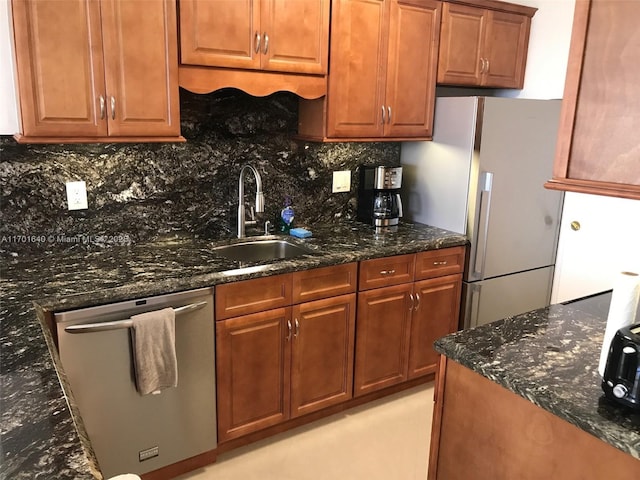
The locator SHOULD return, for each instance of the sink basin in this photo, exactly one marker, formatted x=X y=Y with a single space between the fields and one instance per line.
x=261 y=250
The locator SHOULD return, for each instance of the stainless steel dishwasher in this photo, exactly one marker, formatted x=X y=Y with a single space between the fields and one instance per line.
x=130 y=432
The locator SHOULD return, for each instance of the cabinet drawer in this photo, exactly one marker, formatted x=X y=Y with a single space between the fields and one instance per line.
x=251 y=296
x=436 y=263
x=382 y=272
x=324 y=282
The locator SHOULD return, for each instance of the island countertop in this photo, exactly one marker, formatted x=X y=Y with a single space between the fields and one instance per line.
x=550 y=357
x=38 y=435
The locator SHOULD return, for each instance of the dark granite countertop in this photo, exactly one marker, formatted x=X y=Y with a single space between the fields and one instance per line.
x=550 y=357
x=39 y=438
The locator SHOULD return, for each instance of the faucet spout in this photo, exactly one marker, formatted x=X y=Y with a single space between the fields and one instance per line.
x=259 y=197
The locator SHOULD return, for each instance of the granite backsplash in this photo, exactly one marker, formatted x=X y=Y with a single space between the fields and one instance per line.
x=137 y=192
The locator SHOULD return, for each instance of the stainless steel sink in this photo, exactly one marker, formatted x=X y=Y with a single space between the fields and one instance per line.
x=260 y=250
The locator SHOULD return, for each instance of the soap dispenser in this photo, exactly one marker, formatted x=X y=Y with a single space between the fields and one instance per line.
x=285 y=222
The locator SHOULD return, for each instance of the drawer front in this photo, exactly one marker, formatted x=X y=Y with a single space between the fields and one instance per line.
x=382 y=272
x=324 y=282
x=436 y=263
x=251 y=296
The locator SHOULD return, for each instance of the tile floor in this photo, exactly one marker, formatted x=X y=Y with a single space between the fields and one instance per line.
x=384 y=440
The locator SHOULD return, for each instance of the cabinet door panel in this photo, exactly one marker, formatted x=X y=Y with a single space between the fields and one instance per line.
x=414 y=34
x=322 y=353
x=461 y=44
x=253 y=370
x=358 y=55
x=382 y=338
x=140 y=44
x=220 y=33
x=60 y=67
x=436 y=315
x=298 y=35
x=507 y=50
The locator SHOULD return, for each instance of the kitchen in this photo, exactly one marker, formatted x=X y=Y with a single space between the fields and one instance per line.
x=137 y=187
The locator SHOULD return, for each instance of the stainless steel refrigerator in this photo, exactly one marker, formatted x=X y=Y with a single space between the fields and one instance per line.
x=483 y=175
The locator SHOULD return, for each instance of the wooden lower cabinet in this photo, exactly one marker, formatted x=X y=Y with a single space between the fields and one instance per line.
x=396 y=328
x=435 y=315
x=322 y=353
x=253 y=371
x=283 y=363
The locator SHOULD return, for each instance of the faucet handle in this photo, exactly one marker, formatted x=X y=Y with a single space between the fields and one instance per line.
x=267 y=224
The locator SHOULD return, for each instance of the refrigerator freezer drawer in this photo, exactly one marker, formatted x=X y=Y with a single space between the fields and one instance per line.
x=497 y=298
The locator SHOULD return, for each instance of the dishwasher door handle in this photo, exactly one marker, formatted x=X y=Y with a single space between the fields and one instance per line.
x=127 y=323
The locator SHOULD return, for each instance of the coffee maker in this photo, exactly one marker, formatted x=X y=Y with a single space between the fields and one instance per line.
x=379 y=202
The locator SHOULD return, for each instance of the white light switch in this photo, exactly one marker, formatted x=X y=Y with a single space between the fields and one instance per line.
x=341 y=181
x=77 y=195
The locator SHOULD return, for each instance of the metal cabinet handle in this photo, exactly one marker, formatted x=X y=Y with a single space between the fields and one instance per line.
x=412 y=301
x=257 y=40
x=487 y=67
x=383 y=112
x=102 y=107
x=417 y=302
x=266 y=43
x=297 y=330
x=289 y=330
x=387 y=272
x=388 y=114
x=113 y=107
x=440 y=263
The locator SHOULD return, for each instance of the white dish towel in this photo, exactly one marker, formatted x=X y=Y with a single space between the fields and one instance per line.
x=154 y=348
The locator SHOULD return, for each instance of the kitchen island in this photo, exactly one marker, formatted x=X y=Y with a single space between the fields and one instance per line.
x=42 y=432
x=521 y=398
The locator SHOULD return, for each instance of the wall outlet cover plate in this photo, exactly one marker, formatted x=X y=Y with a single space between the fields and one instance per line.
x=341 y=181
x=77 y=195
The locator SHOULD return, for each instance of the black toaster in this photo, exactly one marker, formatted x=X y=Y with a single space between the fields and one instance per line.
x=621 y=380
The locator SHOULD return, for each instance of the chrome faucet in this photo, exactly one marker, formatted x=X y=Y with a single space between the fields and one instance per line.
x=259 y=199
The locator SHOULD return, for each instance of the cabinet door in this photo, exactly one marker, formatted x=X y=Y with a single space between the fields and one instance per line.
x=322 y=353
x=358 y=58
x=253 y=364
x=295 y=35
x=59 y=67
x=436 y=313
x=220 y=33
x=506 y=49
x=414 y=33
x=141 y=67
x=461 y=45
x=382 y=338
x=597 y=149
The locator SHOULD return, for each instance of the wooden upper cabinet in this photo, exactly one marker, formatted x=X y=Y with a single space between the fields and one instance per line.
x=60 y=67
x=597 y=149
x=92 y=70
x=275 y=35
x=484 y=47
x=382 y=71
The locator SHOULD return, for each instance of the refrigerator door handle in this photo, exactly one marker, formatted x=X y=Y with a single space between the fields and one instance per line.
x=480 y=254
x=473 y=313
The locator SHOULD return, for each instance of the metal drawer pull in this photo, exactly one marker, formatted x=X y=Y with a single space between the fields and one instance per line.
x=257 y=42
x=444 y=262
x=119 y=324
x=289 y=328
x=417 y=302
x=102 y=107
x=297 y=330
x=387 y=272
x=266 y=43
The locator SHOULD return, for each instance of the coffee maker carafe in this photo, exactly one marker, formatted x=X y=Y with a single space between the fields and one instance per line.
x=379 y=202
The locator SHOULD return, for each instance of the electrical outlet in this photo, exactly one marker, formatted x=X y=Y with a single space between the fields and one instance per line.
x=77 y=195
x=341 y=181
